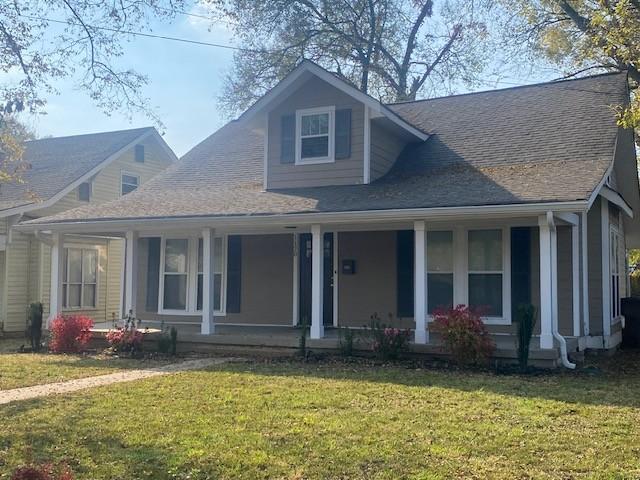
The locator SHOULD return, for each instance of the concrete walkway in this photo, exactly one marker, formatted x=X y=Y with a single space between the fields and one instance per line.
x=36 y=391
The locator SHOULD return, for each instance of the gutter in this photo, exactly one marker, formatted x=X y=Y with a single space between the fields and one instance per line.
x=564 y=356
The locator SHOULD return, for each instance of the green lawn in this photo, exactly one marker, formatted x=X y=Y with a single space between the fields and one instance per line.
x=287 y=420
x=26 y=369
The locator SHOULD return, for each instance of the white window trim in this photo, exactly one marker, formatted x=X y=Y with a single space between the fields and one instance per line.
x=65 y=301
x=331 y=110
x=131 y=174
x=614 y=233
x=192 y=277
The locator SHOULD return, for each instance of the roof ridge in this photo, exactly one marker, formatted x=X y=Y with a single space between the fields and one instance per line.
x=515 y=87
x=90 y=134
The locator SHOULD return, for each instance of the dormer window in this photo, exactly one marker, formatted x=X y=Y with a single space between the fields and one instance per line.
x=315 y=135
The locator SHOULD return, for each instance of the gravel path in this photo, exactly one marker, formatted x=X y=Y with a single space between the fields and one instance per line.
x=26 y=393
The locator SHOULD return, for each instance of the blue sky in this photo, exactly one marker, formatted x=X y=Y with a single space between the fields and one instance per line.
x=185 y=82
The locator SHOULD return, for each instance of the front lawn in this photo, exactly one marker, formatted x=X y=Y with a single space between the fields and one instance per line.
x=289 y=420
x=27 y=369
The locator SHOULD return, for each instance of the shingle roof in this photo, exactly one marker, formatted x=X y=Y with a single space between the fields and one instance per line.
x=57 y=162
x=549 y=142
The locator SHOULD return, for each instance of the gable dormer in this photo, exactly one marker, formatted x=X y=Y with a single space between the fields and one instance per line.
x=321 y=131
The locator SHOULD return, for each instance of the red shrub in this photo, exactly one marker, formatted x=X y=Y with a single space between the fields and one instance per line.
x=464 y=334
x=125 y=340
x=70 y=334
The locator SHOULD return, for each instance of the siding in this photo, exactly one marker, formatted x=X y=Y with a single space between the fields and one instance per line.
x=565 y=281
x=348 y=171
x=594 y=249
x=17 y=282
x=385 y=149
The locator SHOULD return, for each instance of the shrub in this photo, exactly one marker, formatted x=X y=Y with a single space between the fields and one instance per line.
x=464 y=334
x=168 y=341
x=346 y=340
x=173 y=334
x=70 y=334
x=35 y=325
x=125 y=340
x=388 y=343
x=526 y=320
x=42 y=472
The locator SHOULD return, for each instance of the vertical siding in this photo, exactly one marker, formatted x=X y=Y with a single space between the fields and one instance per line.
x=594 y=238
x=385 y=149
x=348 y=171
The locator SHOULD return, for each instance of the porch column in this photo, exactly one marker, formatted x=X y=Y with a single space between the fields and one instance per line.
x=420 y=294
x=208 y=291
x=317 y=275
x=547 y=291
x=57 y=269
x=131 y=272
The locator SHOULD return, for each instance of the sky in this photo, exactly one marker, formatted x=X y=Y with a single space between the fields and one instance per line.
x=185 y=83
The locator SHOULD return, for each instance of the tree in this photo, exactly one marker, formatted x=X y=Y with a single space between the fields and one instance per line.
x=44 y=41
x=581 y=36
x=393 y=49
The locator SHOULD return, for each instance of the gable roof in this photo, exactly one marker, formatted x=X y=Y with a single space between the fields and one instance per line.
x=307 y=68
x=60 y=164
x=545 y=143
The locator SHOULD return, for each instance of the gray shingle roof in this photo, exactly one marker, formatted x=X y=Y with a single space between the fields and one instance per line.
x=543 y=143
x=57 y=162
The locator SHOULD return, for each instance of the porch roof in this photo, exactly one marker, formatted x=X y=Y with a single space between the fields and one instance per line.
x=551 y=142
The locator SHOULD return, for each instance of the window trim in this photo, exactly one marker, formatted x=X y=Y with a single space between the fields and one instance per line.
x=330 y=158
x=90 y=183
x=505 y=318
x=614 y=234
x=192 y=277
x=65 y=300
x=131 y=174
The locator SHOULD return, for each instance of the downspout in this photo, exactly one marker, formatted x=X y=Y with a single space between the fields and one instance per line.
x=564 y=356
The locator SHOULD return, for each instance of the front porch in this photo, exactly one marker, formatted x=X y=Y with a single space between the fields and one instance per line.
x=242 y=287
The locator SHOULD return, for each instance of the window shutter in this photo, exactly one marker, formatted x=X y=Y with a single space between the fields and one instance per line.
x=288 y=139
x=153 y=273
x=343 y=133
x=404 y=255
x=139 y=153
x=520 y=267
x=234 y=273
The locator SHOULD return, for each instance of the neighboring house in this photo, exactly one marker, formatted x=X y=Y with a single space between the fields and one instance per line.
x=322 y=205
x=65 y=173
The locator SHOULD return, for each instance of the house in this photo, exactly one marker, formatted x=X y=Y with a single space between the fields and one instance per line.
x=321 y=205
x=66 y=173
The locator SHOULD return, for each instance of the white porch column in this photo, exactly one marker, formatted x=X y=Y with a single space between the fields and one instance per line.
x=317 y=282
x=131 y=272
x=208 y=291
x=420 y=283
x=547 y=294
x=57 y=269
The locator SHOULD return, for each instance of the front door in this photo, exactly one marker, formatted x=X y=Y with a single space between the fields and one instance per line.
x=305 y=278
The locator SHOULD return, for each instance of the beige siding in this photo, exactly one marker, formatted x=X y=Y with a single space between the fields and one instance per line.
x=316 y=93
x=385 y=149
x=115 y=260
x=17 y=282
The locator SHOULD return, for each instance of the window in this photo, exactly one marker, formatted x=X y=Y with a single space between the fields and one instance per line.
x=129 y=183
x=139 y=153
x=80 y=278
x=217 y=275
x=614 y=266
x=439 y=270
x=84 y=192
x=486 y=271
x=182 y=275
x=315 y=135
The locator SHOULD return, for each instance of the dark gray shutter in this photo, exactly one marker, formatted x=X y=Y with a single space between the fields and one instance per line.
x=404 y=256
x=153 y=273
x=520 y=267
x=288 y=139
x=234 y=273
x=343 y=133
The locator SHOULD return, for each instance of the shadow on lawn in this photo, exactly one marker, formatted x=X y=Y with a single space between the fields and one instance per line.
x=619 y=388
x=83 y=448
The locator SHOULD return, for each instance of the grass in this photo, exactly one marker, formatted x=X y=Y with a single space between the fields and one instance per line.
x=27 y=369
x=290 y=420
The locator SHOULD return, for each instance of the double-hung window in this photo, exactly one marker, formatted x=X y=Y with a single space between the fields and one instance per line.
x=315 y=135
x=128 y=183
x=439 y=270
x=486 y=271
x=182 y=275
x=80 y=278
